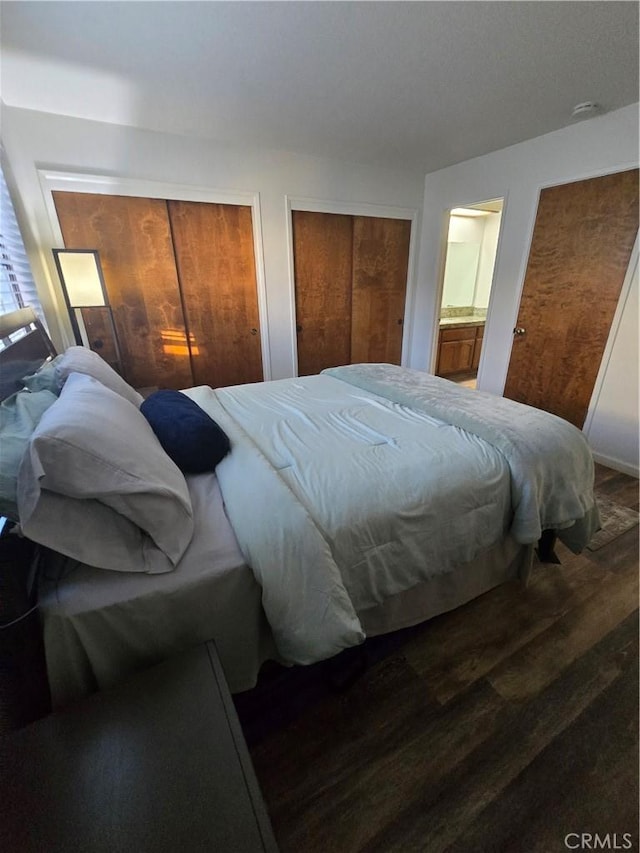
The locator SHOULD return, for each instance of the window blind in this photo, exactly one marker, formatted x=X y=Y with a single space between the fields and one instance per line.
x=17 y=287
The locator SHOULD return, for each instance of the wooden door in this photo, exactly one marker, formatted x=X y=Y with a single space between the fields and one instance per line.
x=134 y=241
x=380 y=262
x=213 y=246
x=322 y=252
x=581 y=246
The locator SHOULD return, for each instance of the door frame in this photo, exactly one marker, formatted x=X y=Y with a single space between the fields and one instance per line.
x=442 y=261
x=51 y=180
x=314 y=205
x=625 y=290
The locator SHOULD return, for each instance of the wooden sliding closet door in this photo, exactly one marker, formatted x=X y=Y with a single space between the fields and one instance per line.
x=380 y=262
x=322 y=252
x=213 y=246
x=134 y=241
x=350 y=285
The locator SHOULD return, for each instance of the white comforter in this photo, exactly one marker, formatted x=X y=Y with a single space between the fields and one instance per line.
x=551 y=465
x=340 y=498
x=347 y=488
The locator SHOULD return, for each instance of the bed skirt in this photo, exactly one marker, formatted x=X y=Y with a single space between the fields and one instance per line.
x=504 y=562
x=95 y=641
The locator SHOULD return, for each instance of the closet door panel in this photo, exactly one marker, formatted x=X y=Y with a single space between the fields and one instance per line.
x=134 y=241
x=213 y=246
x=380 y=263
x=322 y=251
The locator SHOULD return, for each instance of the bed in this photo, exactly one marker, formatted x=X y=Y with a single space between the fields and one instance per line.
x=353 y=503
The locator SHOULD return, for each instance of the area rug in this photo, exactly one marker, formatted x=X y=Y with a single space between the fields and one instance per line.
x=615 y=519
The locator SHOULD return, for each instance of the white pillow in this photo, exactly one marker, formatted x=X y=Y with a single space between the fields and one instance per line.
x=94 y=446
x=83 y=360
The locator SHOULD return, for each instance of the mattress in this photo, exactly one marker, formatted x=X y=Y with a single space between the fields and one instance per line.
x=100 y=626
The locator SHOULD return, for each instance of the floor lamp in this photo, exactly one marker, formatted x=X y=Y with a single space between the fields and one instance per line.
x=83 y=286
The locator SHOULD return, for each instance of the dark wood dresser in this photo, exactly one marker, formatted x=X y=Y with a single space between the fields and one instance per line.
x=156 y=764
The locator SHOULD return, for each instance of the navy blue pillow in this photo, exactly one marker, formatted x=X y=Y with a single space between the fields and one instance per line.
x=187 y=434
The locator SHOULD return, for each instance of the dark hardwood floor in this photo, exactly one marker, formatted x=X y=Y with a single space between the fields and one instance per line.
x=502 y=726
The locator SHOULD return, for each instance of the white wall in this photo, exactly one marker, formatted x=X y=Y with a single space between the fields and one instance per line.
x=34 y=140
x=465 y=229
x=612 y=428
x=601 y=145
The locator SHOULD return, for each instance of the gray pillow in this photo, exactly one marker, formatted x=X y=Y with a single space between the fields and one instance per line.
x=95 y=447
x=83 y=360
x=91 y=532
x=19 y=416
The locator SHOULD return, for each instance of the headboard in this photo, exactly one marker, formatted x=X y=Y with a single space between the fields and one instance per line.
x=24 y=347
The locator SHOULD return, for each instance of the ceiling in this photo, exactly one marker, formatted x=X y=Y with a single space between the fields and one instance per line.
x=416 y=85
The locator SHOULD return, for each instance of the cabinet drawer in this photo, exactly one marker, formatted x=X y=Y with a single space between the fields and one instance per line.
x=464 y=334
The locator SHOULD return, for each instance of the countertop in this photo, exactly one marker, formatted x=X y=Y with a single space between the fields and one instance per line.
x=459 y=322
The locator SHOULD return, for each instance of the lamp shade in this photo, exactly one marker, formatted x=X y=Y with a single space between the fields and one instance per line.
x=81 y=277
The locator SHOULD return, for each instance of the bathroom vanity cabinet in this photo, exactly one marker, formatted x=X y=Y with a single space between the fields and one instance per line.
x=459 y=346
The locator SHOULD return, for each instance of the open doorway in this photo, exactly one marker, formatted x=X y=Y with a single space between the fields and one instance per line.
x=472 y=243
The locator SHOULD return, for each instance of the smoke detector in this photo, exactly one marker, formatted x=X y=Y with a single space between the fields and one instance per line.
x=586 y=109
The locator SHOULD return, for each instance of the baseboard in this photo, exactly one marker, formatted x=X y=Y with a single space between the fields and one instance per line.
x=617 y=465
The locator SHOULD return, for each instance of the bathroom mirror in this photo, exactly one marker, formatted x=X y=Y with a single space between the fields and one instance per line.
x=472 y=243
